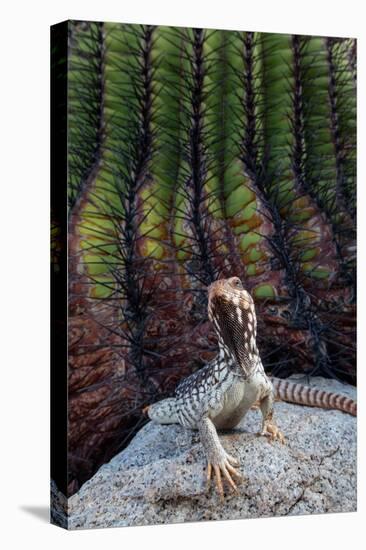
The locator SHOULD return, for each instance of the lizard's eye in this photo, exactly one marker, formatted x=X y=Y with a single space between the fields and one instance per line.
x=236 y=282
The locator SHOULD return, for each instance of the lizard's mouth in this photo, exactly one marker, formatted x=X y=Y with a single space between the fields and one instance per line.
x=221 y=291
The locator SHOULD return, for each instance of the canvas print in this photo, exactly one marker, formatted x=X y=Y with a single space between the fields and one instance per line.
x=203 y=209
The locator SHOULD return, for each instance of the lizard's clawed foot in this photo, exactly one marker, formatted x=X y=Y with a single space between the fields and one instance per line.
x=225 y=467
x=271 y=430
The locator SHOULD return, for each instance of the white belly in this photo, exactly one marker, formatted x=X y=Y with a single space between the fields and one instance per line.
x=238 y=399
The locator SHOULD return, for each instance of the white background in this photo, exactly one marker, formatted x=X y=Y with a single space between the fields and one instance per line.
x=24 y=257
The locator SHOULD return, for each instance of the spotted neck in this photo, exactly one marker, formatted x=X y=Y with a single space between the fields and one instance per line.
x=233 y=316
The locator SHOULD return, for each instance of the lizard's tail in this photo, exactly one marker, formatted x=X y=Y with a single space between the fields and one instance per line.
x=313 y=397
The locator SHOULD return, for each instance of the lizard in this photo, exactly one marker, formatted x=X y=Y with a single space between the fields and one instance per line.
x=219 y=395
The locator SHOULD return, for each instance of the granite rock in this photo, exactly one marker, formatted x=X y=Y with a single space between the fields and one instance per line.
x=160 y=476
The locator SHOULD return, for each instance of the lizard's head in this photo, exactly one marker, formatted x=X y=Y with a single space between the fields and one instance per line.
x=231 y=310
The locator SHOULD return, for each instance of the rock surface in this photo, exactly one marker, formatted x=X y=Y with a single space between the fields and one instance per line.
x=160 y=476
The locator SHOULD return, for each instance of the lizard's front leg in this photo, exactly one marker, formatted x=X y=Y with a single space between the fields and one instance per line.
x=269 y=428
x=218 y=460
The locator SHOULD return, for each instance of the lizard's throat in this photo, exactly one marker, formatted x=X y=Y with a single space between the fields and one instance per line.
x=245 y=346
x=237 y=340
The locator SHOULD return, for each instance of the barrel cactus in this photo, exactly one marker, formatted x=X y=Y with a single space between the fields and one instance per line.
x=197 y=154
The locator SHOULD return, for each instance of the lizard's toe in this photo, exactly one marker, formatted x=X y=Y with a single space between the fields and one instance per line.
x=219 y=486
x=232 y=460
x=227 y=470
x=272 y=432
x=275 y=433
